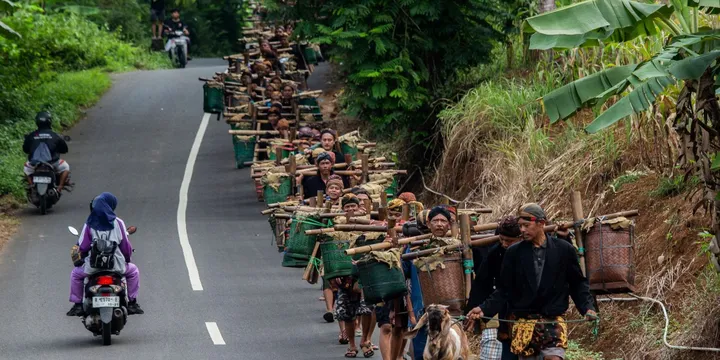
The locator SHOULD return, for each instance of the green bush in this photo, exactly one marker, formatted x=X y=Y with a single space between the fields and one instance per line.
x=60 y=64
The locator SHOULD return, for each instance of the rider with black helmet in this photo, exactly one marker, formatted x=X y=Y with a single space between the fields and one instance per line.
x=55 y=144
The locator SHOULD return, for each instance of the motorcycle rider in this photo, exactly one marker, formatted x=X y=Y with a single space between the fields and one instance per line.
x=175 y=24
x=103 y=219
x=55 y=145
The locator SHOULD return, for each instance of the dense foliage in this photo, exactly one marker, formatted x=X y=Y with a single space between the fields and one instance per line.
x=399 y=56
x=58 y=62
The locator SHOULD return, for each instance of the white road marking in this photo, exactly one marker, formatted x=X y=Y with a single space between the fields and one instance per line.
x=215 y=335
x=182 y=209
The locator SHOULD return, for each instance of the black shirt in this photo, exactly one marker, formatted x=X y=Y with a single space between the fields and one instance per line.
x=313 y=184
x=55 y=143
x=561 y=278
x=175 y=25
x=157 y=5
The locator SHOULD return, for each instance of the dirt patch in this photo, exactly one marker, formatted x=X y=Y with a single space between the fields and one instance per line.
x=9 y=223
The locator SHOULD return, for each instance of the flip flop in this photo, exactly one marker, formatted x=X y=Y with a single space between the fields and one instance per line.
x=342 y=339
x=328 y=317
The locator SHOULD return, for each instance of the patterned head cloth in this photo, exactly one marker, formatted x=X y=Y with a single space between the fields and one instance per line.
x=531 y=212
x=395 y=204
x=283 y=124
x=335 y=180
x=350 y=199
x=324 y=155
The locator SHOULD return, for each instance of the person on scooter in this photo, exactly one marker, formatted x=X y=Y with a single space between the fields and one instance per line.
x=55 y=144
x=175 y=24
x=102 y=220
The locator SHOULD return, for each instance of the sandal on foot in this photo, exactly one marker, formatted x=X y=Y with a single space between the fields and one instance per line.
x=328 y=317
x=351 y=353
x=367 y=349
x=375 y=347
x=342 y=339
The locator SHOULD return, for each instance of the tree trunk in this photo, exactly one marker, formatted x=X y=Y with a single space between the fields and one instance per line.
x=543 y=7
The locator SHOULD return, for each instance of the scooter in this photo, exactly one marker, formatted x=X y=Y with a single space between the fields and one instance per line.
x=105 y=301
x=43 y=192
x=177 y=48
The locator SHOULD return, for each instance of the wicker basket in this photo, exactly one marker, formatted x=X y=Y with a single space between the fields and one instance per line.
x=272 y=196
x=300 y=245
x=380 y=282
x=335 y=261
x=244 y=151
x=213 y=101
x=349 y=150
x=393 y=188
x=445 y=286
x=609 y=259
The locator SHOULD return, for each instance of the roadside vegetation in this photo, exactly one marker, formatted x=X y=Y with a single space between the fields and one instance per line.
x=637 y=90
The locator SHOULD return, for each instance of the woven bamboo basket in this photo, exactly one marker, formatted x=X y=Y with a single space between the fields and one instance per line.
x=445 y=286
x=335 y=261
x=609 y=259
x=380 y=282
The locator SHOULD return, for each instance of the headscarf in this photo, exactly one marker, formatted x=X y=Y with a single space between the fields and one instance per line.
x=305 y=132
x=335 y=180
x=532 y=210
x=407 y=197
x=450 y=209
x=439 y=210
x=350 y=199
x=395 y=204
x=324 y=155
x=102 y=217
x=422 y=219
x=329 y=131
x=508 y=226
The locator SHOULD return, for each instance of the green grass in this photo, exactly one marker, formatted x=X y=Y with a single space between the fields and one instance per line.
x=66 y=94
x=574 y=352
x=628 y=178
x=674 y=185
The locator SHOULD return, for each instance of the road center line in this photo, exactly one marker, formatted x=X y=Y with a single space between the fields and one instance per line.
x=182 y=209
x=215 y=335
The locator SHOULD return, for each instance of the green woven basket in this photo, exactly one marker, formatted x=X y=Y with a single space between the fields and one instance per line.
x=290 y=261
x=244 y=151
x=212 y=99
x=334 y=260
x=310 y=55
x=380 y=282
x=393 y=188
x=299 y=245
x=349 y=150
x=272 y=196
x=311 y=101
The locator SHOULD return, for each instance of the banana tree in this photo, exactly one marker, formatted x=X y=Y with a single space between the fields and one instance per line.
x=689 y=57
x=5 y=8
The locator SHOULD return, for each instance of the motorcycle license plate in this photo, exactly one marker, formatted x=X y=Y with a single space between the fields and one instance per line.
x=106 y=301
x=42 y=179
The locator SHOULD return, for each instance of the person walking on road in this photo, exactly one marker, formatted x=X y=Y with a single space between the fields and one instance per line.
x=537 y=277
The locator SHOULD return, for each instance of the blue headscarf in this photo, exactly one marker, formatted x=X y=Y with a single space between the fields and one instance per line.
x=102 y=217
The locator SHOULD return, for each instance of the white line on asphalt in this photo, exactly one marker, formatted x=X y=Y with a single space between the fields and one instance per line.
x=215 y=335
x=182 y=208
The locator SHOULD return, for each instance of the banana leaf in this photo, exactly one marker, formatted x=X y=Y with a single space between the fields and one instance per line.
x=708 y=6
x=566 y=100
x=591 y=21
x=5 y=30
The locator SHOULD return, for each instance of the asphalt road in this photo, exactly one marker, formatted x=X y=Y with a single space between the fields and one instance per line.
x=136 y=144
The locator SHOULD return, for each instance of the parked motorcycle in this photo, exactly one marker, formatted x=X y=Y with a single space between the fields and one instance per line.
x=177 y=48
x=43 y=192
x=105 y=301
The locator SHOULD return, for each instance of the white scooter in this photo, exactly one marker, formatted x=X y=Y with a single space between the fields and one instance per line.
x=177 y=48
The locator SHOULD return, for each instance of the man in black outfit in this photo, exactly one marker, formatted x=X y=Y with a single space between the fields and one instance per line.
x=537 y=277
x=52 y=145
x=175 y=24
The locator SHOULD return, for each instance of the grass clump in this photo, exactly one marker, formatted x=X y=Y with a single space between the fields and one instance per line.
x=628 y=178
x=674 y=185
x=575 y=352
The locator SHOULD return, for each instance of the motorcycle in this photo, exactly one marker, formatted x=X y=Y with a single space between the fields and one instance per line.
x=43 y=192
x=105 y=301
x=177 y=48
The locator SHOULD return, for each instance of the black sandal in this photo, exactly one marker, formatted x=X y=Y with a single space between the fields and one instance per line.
x=351 y=353
x=328 y=317
x=342 y=339
x=369 y=352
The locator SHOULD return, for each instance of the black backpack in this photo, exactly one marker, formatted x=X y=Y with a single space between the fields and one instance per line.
x=102 y=252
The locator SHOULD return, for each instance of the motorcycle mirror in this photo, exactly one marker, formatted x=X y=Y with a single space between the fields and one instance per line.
x=73 y=231
x=131 y=230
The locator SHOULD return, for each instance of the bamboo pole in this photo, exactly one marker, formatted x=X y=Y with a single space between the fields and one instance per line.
x=577 y=212
x=406 y=212
x=319 y=199
x=308 y=268
x=383 y=245
x=364 y=158
x=467 y=252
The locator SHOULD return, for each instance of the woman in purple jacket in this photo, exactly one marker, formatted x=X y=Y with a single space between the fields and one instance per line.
x=103 y=222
